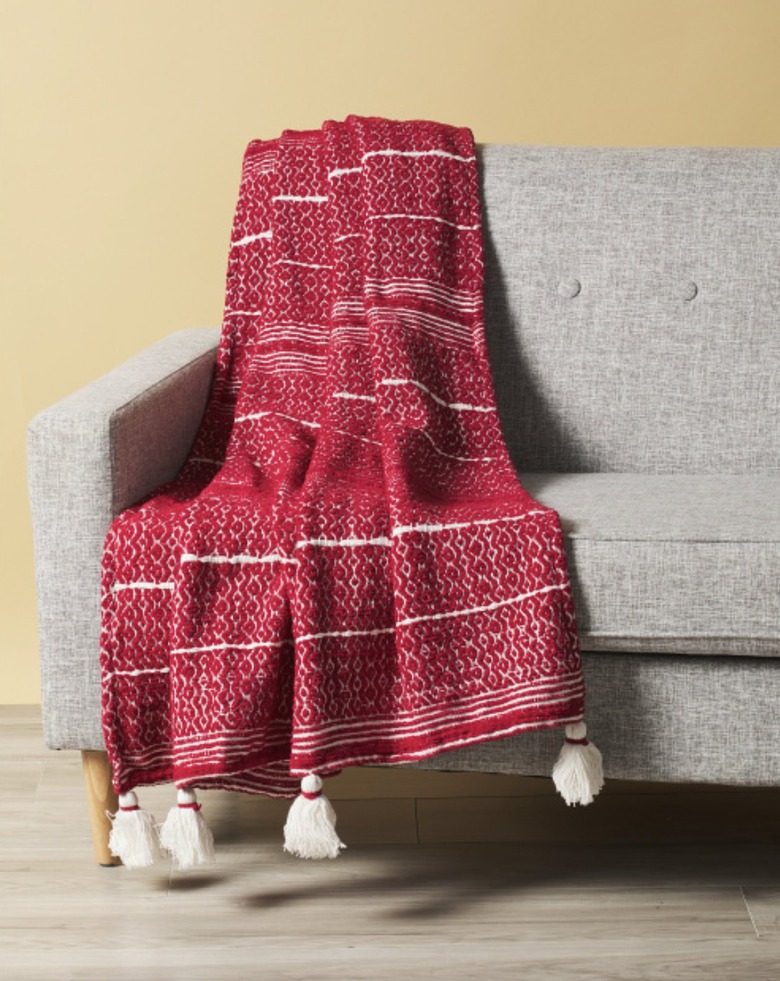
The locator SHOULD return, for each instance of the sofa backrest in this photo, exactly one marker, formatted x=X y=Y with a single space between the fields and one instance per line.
x=632 y=304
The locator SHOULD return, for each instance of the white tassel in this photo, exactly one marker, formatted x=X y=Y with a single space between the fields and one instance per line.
x=310 y=831
x=578 y=772
x=133 y=837
x=185 y=833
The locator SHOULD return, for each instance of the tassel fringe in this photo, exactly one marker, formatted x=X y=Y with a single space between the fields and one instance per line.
x=310 y=831
x=185 y=834
x=133 y=837
x=578 y=772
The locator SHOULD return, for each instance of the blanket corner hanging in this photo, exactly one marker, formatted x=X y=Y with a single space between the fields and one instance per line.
x=347 y=570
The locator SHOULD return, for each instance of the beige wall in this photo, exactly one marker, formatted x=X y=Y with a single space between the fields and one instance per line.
x=123 y=126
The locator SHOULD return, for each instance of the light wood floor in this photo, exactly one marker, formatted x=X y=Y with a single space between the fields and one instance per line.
x=447 y=876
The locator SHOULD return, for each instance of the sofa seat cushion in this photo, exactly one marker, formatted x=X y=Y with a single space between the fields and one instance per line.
x=671 y=563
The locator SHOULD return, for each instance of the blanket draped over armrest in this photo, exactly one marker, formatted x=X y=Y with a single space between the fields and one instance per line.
x=347 y=570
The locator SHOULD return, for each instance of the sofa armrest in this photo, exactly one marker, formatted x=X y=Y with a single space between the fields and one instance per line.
x=90 y=456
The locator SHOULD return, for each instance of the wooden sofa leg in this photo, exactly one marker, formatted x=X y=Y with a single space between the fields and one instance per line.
x=101 y=797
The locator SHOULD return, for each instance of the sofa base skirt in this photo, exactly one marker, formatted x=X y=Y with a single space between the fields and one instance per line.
x=657 y=717
x=663 y=718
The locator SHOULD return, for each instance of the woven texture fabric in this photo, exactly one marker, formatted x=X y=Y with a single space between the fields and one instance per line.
x=632 y=306
x=671 y=562
x=347 y=570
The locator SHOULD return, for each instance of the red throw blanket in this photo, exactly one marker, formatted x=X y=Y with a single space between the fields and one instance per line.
x=347 y=570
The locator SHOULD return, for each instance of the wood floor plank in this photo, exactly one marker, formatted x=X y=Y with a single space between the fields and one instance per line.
x=680 y=817
x=416 y=914
x=21 y=739
x=361 y=959
x=249 y=818
x=763 y=904
x=20 y=715
x=19 y=780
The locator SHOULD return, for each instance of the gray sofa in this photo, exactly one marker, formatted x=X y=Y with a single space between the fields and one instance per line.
x=633 y=326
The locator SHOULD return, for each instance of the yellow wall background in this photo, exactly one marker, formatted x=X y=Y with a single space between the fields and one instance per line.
x=122 y=127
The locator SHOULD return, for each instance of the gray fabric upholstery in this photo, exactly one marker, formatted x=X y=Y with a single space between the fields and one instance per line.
x=670 y=562
x=660 y=717
x=601 y=361
x=89 y=456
